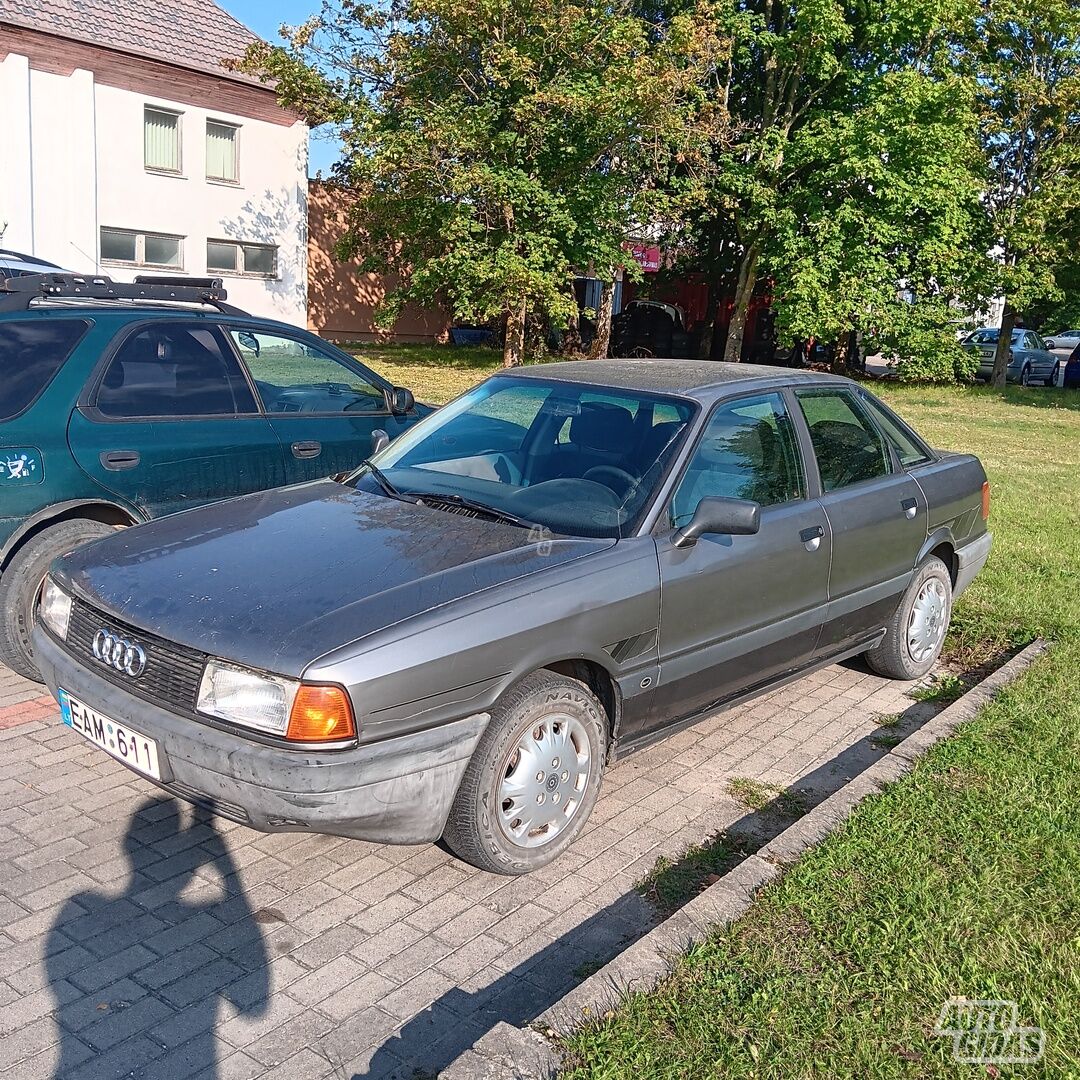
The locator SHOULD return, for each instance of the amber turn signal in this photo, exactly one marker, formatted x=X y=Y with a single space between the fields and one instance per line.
x=986 y=500
x=321 y=714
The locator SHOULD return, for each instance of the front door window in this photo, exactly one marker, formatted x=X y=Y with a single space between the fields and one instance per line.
x=748 y=451
x=294 y=376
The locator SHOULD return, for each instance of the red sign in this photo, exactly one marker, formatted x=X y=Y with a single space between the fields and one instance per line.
x=647 y=257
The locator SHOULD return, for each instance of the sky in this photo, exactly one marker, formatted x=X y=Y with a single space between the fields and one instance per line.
x=264 y=17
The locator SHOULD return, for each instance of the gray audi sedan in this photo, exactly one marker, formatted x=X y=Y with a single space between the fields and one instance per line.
x=566 y=563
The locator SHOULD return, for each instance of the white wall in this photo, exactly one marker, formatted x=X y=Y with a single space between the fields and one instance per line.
x=71 y=162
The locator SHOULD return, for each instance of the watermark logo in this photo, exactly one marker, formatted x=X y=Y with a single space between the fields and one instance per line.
x=989 y=1033
x=543 y=537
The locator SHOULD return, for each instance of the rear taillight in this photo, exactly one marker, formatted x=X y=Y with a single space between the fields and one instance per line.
x=985 y=499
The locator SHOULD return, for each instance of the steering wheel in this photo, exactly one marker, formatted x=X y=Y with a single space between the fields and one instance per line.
x=363 y=401
x=625 y=480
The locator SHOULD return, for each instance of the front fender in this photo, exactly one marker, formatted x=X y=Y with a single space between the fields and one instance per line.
x=60 y=510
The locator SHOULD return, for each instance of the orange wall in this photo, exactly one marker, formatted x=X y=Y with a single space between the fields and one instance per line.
x=341 y=299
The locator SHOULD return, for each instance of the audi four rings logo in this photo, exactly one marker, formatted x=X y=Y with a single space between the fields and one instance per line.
x=127 y=657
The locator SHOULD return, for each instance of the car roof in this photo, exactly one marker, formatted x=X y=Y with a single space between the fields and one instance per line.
x=139 y=311
x=702 y=379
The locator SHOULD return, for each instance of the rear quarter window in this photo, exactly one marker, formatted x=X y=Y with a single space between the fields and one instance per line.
x=32 y=351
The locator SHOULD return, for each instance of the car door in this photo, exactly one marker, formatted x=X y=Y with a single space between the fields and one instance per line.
x=322 y=404
x=171 y=422
x=1042 y=360
x=736 y=611
x=876 y=511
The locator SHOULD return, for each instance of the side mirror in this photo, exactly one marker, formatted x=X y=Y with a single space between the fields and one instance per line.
x=379 y=439
x=399 y=400
x=732 y=517
x=249 y=341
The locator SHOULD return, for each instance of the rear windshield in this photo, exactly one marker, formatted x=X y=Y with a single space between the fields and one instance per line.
x=32 y=351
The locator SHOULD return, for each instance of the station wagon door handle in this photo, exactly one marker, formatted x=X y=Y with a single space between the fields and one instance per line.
x=909 y=506
x=811 y=537
x=118 y=460
x=306 y=449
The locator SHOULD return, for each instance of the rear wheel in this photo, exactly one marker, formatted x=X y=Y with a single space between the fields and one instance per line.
x=1025 y=375
x=533 y=779
x=20 y=586
x=916 y=632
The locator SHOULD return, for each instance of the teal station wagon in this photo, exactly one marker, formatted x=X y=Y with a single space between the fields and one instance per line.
x=121 y=403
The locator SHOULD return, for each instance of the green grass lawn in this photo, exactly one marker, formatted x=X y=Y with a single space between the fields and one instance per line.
x=963 y=879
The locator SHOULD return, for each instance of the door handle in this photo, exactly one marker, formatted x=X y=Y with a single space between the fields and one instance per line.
x=811 y=537
x=306 y=449
x=910 y=507
x=119 y=460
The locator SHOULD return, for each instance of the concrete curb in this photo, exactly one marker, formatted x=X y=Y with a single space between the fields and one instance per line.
x=521 y=1053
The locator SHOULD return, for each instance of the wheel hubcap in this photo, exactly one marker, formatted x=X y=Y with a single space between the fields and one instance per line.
x=545 y=779
x=928 y=622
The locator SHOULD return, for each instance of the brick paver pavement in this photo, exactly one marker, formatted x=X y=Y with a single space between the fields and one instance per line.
x=141 y=937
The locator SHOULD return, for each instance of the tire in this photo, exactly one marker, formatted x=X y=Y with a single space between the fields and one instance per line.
x=895 y=657
x=480 y=829
x=1025 y=375
x=21 y=582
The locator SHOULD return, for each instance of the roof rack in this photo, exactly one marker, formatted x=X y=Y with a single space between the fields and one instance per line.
x=17 y=294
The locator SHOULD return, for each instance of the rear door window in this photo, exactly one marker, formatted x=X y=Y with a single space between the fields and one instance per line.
x=848 y=447
x=32 y=351
x=173 y=370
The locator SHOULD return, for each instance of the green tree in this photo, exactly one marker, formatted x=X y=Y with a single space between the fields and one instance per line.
x=1028 y=68
x=823 y=190
x=493 y=148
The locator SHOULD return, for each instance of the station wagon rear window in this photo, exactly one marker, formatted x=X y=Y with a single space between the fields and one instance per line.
x=32 y=351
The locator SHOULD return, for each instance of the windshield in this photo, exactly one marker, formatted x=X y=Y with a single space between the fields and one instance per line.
x=576 y=459
x=989 y=337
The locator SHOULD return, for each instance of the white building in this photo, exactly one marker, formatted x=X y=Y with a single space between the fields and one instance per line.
x=127 y=147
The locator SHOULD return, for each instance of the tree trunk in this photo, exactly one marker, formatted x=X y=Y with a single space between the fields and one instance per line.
x=1004 y=345
x=514 y=348
x=571 y=340
x=744 y=291
x=602 y=341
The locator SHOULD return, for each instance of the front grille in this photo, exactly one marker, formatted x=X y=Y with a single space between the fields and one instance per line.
x=172 y=673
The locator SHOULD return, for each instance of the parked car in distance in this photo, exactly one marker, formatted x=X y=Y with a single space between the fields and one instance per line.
x=1064 y=339
x=15 y=264
x=1030 y=362
x=1070 y=376
x=564 y=564
x=121 y=403
x=646 y=328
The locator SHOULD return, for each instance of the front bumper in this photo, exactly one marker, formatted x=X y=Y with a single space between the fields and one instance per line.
x=398 y=791
x=970 y=559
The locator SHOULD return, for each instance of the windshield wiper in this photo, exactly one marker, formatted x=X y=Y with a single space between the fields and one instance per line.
x=381 y=480
x=434 y=498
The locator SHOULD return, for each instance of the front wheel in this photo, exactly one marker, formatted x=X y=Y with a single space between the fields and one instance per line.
x=533 y=779
x=916 y=632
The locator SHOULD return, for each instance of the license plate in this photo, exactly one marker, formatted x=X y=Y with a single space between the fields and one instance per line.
x=131 y=747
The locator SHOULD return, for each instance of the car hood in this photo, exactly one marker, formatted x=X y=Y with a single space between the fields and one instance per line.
x=277 y=579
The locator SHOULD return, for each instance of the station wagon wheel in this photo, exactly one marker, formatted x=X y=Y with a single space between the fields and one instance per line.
x=20 y=586
x=533 y=778
x=916 y=631
x=546 y=775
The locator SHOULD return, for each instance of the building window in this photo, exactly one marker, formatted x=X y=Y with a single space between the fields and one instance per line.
x=230 y=257
x=142 y=249
x=161 y=140
x=222 y=152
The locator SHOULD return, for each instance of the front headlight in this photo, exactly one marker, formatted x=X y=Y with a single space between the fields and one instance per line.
x=54 y=608
x=251 y=699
